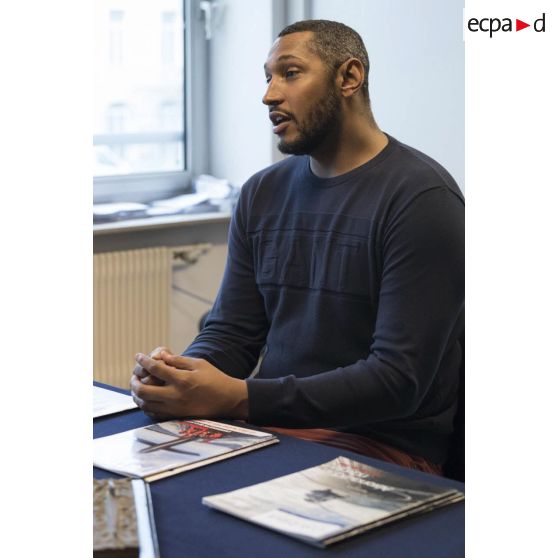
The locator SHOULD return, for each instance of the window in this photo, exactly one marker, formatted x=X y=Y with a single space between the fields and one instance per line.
x=116 y=118
x=142 y=50
x=115 y=36
x=168 y=30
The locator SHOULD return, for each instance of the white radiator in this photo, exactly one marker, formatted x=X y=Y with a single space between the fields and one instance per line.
x=131 y=309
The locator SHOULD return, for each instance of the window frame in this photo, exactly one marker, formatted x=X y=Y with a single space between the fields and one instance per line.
x=146 y=187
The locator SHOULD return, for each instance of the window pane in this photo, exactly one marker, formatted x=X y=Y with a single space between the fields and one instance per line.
x=138 y=86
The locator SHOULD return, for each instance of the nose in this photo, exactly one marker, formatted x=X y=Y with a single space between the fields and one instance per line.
x=272 y=95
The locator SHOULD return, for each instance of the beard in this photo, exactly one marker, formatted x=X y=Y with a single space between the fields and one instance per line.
x=320 y=122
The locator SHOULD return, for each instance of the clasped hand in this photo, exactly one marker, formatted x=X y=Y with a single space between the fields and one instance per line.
x=171 y=386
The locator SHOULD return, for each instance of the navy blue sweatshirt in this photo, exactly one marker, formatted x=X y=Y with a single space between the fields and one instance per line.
x=355 y=286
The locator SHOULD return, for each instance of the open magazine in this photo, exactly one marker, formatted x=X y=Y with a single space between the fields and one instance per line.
x=332 y=501
x=167 y=448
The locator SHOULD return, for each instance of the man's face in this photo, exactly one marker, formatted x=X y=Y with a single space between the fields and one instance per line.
x=304 y=105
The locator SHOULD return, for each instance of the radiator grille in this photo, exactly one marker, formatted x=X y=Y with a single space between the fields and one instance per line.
x=131 y=309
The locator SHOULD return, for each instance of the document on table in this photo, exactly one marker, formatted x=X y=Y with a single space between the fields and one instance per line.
x=107 y=402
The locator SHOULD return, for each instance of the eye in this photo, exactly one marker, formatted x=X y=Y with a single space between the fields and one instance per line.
x=291 y=73
x=267 y=79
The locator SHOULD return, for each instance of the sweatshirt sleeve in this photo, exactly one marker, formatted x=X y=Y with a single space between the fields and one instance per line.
x=419 y=314
x=236 y=327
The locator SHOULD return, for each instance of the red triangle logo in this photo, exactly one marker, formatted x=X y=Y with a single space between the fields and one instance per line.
x=519 y=25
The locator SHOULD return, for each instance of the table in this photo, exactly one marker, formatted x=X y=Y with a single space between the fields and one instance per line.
x=186 y=528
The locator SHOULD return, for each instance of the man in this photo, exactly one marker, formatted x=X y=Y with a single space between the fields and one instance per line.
x=346 y=262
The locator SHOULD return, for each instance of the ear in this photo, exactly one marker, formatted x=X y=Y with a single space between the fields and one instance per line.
x=350 y=76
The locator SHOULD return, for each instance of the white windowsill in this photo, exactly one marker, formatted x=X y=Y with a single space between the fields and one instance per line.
x=160 y=222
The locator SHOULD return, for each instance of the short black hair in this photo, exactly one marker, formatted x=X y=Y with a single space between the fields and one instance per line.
x=334 y=43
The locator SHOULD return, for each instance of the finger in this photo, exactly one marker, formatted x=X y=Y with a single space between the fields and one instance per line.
x=146 y=377
x=146 y=392
x=181 y=362
x=139 y=371
x=153 y=393
x=150 y=380
x=143 y=405
x=137 y=400
x=159 y=411
x=156 y=410
x=134 y=381
x=155 y=367
x=156 y=353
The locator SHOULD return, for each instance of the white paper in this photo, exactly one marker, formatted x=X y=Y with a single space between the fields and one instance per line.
x=214 y=188
x=107 y=402
x=116 y=208
x=181 y=202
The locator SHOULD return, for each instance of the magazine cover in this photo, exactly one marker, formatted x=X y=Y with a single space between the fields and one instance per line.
x=332 y=501
x=171 y=447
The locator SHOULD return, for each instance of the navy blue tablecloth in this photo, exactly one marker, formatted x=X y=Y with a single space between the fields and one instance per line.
x=186 y=528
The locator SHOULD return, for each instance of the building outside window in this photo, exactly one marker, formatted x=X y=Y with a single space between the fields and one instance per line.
x=168 y=37
x=116 y=39
x=139 y=92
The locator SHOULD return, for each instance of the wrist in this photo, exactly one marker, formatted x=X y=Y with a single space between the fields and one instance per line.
x=239 y=398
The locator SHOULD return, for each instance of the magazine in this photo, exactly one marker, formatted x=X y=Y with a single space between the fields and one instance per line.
x=123 y=522
x=332 y=501
x=167 y=448
x=107 y=402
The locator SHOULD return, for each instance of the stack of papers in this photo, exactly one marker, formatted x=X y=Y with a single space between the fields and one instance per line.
x=186 y=203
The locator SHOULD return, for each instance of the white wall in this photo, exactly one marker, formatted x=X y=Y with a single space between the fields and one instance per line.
x=240 y=132
x=417 y=72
